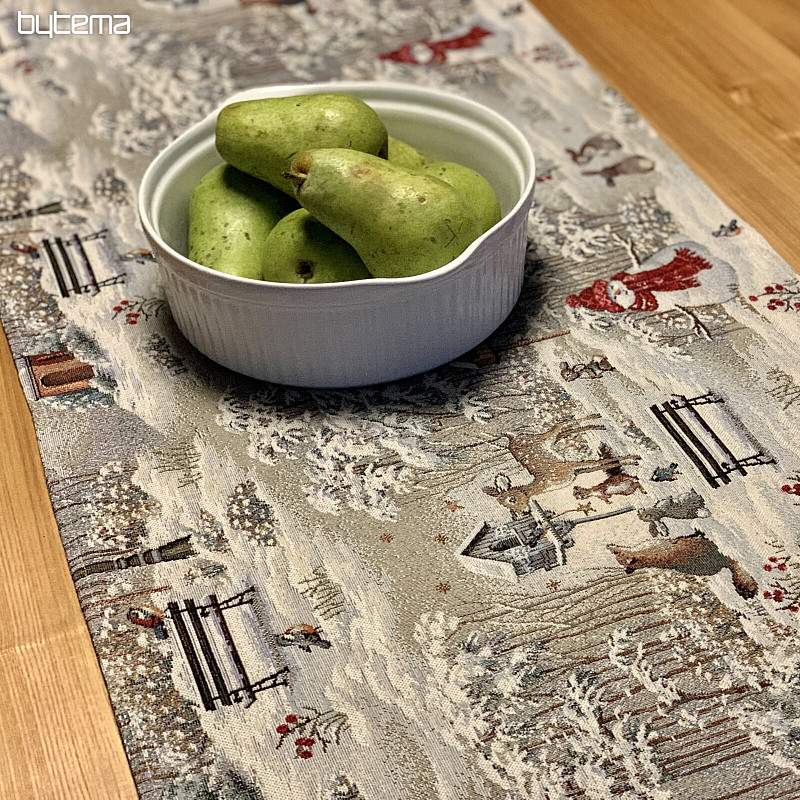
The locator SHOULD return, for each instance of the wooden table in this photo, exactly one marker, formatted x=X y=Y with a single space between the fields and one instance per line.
x=717 y=78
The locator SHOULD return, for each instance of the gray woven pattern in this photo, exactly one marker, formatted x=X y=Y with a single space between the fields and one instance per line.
x=563 y=566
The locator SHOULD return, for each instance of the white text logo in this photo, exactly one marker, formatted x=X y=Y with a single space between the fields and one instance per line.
x=75 y=24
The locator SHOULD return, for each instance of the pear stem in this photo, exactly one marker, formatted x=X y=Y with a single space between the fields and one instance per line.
x=297 y=180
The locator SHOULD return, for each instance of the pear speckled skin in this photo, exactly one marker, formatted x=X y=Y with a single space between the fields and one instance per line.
x=302 y=250
x=401 y=223
x=474 y=186
x=230 y=217
x=405 y=155
x=260 y=137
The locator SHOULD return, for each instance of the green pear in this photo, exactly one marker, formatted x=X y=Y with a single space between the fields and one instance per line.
x=406 y=156
x=474 y=187
x=230 y=216
x=261 y=137
x=302 y=250
x=401 y=223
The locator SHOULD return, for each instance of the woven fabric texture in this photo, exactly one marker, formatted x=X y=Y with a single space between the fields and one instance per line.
x=565 y=565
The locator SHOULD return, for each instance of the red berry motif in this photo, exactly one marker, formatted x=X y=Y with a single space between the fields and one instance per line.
x=793 y=609
x=782 y=567
x=300 y=726
x=769 y=289
x=117 y=308
x=768 y=567
x=773 y=559
x=768 y=595
x=778 y=287
x=753 y=298
x=125 y=303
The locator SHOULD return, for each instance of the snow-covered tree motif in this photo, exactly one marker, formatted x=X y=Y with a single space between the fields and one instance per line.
x=170 y=86
x=571 y=233
x=104 y=510
x=326 y=597
x=273 y=419
x=117 y=508
x=647 y=223
x=354 y=452
x=153 y=717
x=30 y=315
x=621 y=111
x=15 y=185
x=362 y=449
x=157 y=348
x=230 y=785
x=628 y=655
x=204 y=572
x=110 y=188
x=211 y=534
x=360 y=469
x=610 y=757
x=756 y=677
x=500 y=680
x=250 y=514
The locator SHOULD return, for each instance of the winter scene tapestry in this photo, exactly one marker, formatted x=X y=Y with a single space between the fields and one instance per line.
x=565 y=565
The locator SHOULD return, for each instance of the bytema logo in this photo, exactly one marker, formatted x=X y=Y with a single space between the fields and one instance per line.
x=75 y=24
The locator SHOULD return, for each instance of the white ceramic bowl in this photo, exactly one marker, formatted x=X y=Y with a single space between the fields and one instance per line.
x=364 y=332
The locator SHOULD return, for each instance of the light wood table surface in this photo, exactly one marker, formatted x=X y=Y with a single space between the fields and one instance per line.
x=719 y=80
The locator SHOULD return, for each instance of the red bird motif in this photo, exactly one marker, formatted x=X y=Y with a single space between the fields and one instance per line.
x=435 y=52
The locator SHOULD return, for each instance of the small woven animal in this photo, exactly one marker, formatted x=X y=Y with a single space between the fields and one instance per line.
x=692 y=555
x=661 y=474
x=599 y=144
x=689 y=505
x=633 y=165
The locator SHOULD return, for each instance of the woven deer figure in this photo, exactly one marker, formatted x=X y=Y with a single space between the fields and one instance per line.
x=535 y=453
x=516 y=499
x=618 y=483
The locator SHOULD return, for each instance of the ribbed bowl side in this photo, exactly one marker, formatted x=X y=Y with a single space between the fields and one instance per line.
x=394 y=335
x=364 y=332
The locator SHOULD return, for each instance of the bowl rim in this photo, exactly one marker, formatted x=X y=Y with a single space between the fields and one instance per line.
x=148 y=183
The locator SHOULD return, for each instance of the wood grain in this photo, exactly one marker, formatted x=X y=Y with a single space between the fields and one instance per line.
x=717 y=79
x=58 y=738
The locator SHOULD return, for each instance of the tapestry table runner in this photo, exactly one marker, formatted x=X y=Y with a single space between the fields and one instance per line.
x=565 y=565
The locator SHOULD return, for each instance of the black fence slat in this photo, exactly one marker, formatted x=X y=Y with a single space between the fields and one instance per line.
x=208 y=653
x=76 y=242
x=191 y=656
x=231 y=647
x=73 y=277
x=712 y=433
x=683 y=444
x=51 y=257
x=693 y=439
